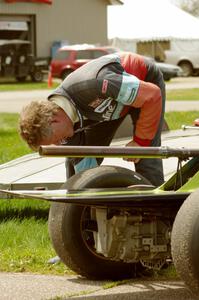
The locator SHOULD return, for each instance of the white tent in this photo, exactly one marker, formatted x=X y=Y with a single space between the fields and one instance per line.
x=149 y=20
x=155 y=28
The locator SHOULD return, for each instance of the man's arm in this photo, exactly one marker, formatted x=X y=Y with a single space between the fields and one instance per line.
x=129 y=91
x=149 y=100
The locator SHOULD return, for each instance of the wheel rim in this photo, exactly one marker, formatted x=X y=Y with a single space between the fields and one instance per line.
x=87 y=234
x=38 y=76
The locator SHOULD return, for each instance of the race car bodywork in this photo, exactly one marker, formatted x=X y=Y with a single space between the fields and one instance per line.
x=110 y=222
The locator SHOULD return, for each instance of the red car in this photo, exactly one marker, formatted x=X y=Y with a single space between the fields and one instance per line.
x=69 y=58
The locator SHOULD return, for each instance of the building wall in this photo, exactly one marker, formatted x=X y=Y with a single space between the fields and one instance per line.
x=74 y=21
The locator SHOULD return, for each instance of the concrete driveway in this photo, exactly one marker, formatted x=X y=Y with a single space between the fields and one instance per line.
x=42 y=287
x=12 y=102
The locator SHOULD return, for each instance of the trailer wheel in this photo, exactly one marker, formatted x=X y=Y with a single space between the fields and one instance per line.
x=37 y=75
x=73 y=240
x=185 y=242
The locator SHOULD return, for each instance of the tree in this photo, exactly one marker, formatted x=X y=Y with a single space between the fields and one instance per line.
x=190 y=6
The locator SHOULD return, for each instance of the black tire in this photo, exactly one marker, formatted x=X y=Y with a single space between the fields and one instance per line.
x=166 y=77
x=21 y=78
x=37 y=76
x=187 y=68
x=66 y=226
x=185 y=242
x=65 y=73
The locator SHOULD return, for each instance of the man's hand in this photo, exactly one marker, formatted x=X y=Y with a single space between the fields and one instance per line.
x=132 y=144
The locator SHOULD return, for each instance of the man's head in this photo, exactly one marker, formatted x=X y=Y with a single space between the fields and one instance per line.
x=44 y=123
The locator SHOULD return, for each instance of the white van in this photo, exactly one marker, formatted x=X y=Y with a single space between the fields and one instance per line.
x=185 y=54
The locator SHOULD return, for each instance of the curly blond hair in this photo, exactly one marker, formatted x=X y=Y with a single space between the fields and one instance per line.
x=35 y=120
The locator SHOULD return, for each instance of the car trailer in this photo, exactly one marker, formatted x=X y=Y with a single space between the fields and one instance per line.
x=111 y=223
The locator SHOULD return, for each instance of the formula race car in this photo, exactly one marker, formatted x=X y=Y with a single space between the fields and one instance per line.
x=110 y=223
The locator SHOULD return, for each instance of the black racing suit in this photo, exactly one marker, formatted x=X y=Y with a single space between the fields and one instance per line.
x=103 y=92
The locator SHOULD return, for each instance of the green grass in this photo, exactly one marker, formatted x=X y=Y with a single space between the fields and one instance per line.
x=24 y=240
x=26 y=86
x=11 y=145
x=176 y=119
x=26 y=247
x=183 y=94
x=12 y=85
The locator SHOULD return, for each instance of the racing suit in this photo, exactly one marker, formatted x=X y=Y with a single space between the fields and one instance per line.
x=103 y=92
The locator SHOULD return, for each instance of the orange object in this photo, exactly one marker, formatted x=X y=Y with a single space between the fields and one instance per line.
x=50 y=78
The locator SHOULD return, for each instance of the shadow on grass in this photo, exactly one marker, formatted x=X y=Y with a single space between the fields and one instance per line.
x=23 y=213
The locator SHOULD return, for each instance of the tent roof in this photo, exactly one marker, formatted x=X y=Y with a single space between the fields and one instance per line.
x=151 y=20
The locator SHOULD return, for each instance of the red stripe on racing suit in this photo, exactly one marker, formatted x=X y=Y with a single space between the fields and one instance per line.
x=148 y=99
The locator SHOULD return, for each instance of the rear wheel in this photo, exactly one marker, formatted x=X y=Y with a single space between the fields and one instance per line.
x=185 y=242
x=65 y=73
x=166 y=77
x=187 y=69
x=37 y=76
x=70 y=226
